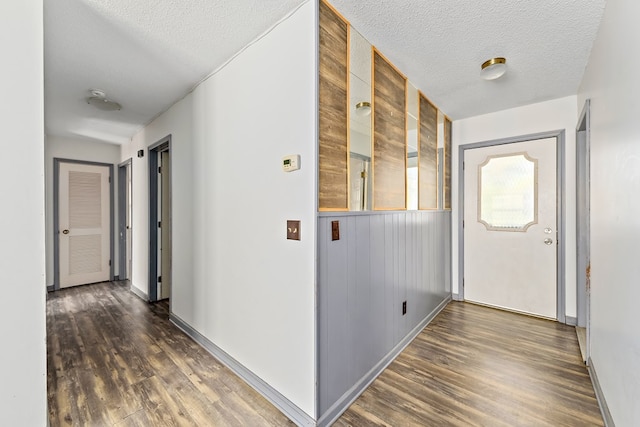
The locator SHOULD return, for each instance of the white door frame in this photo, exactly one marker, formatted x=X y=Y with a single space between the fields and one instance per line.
x=56 y=216
x=561 y=251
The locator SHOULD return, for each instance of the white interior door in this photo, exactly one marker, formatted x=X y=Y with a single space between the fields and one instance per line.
x=84 y=224
x=510 y=226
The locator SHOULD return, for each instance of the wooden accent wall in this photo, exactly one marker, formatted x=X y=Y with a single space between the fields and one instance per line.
x=427 y=155
x=447 y=164
x=333 y=163
x=389 y=136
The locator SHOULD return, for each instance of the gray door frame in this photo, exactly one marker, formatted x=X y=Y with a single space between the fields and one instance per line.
x=56 y=216
x=561 y=209
x=154 y=162
x=122 y=216
x=583 y=218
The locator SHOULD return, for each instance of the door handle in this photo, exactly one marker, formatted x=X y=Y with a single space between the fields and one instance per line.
x=65 y=231
x=548 y=241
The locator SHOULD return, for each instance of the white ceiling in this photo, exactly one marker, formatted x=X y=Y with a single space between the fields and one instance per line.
x=147 y=54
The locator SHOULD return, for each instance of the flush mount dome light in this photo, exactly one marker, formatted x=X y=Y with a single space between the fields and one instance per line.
x=493 y=68
x=99 y=100
x=363 y=108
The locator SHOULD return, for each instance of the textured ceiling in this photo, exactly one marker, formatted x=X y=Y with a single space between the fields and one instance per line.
x=440 y=45
x=147 y=54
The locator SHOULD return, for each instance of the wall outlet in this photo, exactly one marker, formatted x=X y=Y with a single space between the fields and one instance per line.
x=404 y=308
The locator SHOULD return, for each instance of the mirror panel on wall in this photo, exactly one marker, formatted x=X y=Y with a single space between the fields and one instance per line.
x=360 y=122
x=412 y=147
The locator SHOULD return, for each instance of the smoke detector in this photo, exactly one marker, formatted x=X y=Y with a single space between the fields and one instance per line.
x=99 y=100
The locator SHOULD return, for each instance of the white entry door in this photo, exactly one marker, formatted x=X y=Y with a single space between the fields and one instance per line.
x=84 y=224
x=510 y=247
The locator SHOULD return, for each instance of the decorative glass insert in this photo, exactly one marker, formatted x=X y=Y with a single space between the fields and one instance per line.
x=508 y=192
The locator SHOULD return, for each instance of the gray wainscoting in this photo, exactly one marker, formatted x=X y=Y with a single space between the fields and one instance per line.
x=380 y=261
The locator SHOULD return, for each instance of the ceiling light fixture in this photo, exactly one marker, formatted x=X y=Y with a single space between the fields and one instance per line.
x=363 y=108
x=493 y=68
x=99 y=100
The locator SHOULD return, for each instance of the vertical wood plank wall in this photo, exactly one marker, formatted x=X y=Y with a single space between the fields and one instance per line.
x=389 y=136
x=333 y=176
x=427 y=155
x=381 y=260
x=447 y=164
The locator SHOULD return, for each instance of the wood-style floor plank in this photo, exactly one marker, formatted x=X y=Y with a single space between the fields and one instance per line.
x=114 y=360
x=477 y=366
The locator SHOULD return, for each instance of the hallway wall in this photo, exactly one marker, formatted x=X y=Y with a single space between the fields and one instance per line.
x=236 y=279
x=611 y=82
x=23 y=386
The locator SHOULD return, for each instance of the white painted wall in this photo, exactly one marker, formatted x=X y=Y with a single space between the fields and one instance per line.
x=611 y=82
x=23 y=387
x=236 y=279
x=76 y=149
x=545 y=116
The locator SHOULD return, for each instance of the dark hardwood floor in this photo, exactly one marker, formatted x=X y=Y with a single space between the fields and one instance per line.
x=476 y=366
x=114 y=360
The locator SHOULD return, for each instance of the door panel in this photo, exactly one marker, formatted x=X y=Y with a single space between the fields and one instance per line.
x=84 y=224
x=510 y=226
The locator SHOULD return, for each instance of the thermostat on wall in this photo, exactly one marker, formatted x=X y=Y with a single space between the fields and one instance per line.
x=291 y=163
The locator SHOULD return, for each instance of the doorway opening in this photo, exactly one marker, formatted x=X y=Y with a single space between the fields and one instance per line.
x=583 y=229
x=160 y=220
x=547 y=239
x=125 y=215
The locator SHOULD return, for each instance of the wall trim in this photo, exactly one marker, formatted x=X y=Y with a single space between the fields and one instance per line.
x=350 y=396
x=602 y=403
x=457 y=297
x=569 y=320
x=139 y=293
x=374 y=213
x=287 y=407
x=51 y=288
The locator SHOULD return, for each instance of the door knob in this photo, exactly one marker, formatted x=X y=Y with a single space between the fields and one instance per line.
x=548 y=241
x=65 y=231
